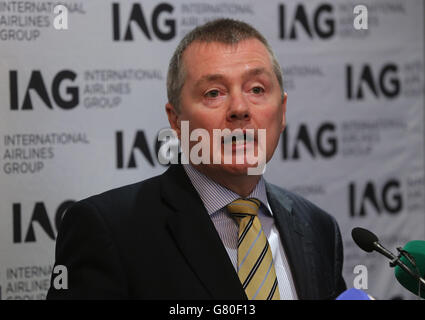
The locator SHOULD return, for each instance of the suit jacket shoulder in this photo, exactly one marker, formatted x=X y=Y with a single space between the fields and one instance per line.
x=313 y=216
x=312 y=241
x=95 y=239
x=116 y=203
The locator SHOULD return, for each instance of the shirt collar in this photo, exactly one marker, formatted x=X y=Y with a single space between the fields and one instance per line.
x=215 y=196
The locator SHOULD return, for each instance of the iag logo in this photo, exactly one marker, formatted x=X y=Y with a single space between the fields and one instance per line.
x=381 y=198
x=39 y=216
x=383 y=81
x=158 y=26
x=37 y=85
x=320 y=143
x=127 y=160
x=319 y=24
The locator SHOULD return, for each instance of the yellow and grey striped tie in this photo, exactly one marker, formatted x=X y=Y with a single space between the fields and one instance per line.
x=255 y=261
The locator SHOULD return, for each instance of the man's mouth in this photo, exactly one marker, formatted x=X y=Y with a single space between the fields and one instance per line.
x=238 y=138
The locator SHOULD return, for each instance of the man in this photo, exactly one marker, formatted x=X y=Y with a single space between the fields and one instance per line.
x=207 y=230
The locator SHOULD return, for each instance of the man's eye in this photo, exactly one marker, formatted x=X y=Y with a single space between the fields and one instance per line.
x=212 y=94
x=257 y=90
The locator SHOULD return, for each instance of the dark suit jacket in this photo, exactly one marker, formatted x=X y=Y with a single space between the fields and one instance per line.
x=155 y=240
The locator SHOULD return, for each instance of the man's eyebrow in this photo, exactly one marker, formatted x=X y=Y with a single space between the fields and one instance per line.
x=209 y=78
x=246 y=74
x=257 y=72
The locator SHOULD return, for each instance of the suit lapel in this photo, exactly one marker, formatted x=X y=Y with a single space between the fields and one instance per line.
x=197 y=238
x=298 y=248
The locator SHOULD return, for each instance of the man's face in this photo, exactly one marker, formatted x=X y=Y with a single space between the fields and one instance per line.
x=234 y=87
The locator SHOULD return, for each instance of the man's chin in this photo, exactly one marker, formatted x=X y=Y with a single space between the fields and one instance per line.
x=232 y=169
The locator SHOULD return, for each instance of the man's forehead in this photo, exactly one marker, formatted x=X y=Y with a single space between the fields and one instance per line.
x=198 y=55
x=210 y=47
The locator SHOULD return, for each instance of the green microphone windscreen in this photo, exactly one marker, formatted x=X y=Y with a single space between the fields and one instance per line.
x=416 y=249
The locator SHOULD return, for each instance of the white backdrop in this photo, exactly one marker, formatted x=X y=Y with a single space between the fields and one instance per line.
x=80 y=110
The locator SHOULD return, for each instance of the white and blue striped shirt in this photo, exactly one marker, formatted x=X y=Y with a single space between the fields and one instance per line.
x=216 y=197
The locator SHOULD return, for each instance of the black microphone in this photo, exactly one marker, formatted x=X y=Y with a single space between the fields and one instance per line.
x=369 y=242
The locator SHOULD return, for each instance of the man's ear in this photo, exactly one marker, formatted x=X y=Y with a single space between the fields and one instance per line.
x=285 y=97
x=173 y=118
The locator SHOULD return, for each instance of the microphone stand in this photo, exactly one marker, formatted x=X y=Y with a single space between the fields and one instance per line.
x=412 y=260
x=396 y=261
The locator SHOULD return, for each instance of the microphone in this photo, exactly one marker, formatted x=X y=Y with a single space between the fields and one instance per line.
x=413 y=255
x=369 y=242
x=354 y=294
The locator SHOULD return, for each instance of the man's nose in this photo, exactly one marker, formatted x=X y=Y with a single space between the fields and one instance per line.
x=238 y=108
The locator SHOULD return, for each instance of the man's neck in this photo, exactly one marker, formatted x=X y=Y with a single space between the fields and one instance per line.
x=243 y=185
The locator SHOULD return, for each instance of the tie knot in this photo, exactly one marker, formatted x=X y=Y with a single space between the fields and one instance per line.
x=242 y=208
